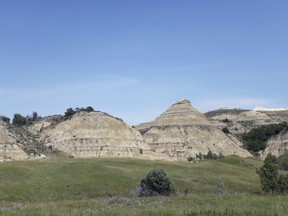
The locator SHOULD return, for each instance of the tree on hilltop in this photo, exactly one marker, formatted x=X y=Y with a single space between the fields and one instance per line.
x=89 y=109
x=70 y=112
x=5 y=119
x=19 y=120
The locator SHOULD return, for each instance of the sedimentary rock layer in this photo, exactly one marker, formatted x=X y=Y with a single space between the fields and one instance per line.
x=9 y=149
x=277 y=145
x=182 y=132
x=239 y=121
x=97 y=134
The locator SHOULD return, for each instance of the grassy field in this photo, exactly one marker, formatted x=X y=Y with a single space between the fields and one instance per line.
x=105 y=187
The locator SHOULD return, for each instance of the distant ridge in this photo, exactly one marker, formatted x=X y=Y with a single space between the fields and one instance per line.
x=260 y=108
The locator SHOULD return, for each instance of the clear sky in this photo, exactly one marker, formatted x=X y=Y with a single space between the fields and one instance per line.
x=134 y=58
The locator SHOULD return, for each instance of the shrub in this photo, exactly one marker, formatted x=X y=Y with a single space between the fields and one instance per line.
x=81 y=109
x=283 y=162
x=156 y=183
x=270 y=180
x=69 y=112
x=269 y=174
x=211 y=156
x=225 y=130
x=283 y=165
x=5 y=119
x=282 y=184
x=190 y=158
x=89 y=109
x=33 y=117
x=19 y=120
x=226 y=120
x=199 y=156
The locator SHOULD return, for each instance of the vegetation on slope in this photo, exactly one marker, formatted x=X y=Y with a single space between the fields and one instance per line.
x=5 y=119
x=256 y=139
x=70 y=111
x=283 y=162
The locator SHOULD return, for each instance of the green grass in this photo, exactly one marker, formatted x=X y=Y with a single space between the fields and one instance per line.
x=103 y=187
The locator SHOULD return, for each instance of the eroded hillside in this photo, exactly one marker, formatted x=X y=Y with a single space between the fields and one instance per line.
x=181 y=132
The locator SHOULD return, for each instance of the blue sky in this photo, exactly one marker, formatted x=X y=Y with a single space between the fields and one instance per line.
x=134 y=58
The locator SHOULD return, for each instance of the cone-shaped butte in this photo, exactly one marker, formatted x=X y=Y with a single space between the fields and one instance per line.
x=182 y=132
x=97 y=134
x=181 y=113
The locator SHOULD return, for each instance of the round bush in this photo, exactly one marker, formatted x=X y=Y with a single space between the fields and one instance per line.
x=156 y=183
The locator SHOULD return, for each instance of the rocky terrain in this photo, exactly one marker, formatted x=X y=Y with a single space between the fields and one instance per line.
x=93 y=134
x=182 y=132
x=239 y=121
x=179 y=133
x=277 y=145
x=9 y=147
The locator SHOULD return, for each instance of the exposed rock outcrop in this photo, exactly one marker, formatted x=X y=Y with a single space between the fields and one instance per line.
x=95 y=134
x=239 y=121
x=9 y=149
x=277 y=145
x=259 y=108
x=182 y=132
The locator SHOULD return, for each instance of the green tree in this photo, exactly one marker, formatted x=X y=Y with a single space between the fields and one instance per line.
x=33 y=117
x=256 y=139
x=19 y=120
x=69 y=112
x=269 y=174
x=283 y=162
x=5 y=119
x=225 y=130
x=156 y=183
x=282 y=184
x=89 y=109
x=81 y=109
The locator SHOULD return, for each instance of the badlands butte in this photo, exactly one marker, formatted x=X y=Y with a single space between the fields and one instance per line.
x=180 y=133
